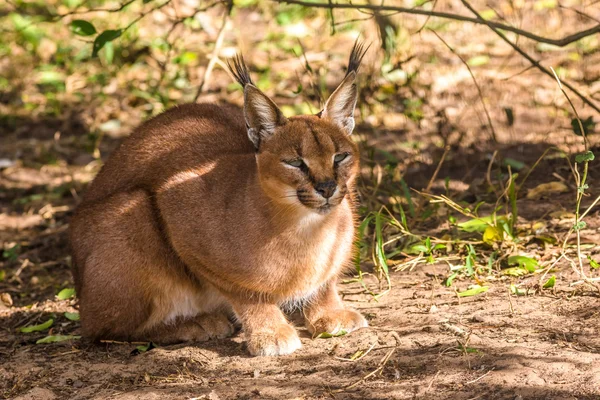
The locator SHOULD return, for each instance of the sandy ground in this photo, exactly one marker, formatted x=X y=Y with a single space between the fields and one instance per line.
x=425 y=343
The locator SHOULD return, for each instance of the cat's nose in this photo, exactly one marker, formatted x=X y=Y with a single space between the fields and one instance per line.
x=326 y=189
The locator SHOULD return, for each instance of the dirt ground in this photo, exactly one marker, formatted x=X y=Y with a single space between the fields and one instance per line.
x=424 y=343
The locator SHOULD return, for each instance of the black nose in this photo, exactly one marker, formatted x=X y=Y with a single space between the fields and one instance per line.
x=326 y=189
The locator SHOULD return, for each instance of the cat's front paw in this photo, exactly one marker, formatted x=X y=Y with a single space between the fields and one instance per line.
x=336 y=322
x=274 y=341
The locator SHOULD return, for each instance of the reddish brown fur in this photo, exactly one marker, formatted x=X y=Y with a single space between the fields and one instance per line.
x=188 y=222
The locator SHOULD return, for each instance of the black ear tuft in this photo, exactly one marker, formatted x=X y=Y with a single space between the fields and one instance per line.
x=240 y=70
x=356 y=56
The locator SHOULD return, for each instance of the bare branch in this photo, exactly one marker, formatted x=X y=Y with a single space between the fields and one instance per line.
x=529 y=58
x=487 y=114
x=457 y=17
x=214 y=58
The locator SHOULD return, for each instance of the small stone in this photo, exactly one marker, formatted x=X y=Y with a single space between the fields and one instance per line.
x=6 y=299
x=213 y=396
x=478 y=318
x=433 y=309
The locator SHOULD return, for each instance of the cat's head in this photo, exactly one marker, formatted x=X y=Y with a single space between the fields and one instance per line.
x=308 y=160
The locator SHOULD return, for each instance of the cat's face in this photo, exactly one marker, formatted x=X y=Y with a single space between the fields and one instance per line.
x=305 y=161
x=309 y=163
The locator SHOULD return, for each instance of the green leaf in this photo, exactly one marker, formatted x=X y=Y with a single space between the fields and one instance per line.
x=530 y=264
x=510 y=116
x=379 y=251
x=72 y=316
x=492 y=235
x=514 y=164
x=37 y=328
x=417 y=248
x=479 y=224
x=587 y=156
x=579 y=226
x=57 y=338
x=82 y=28
x=487 y=14
x=145 y=347
x=186 y=58
x=327 y=335
x=518 y=291
x=473 y=290
x=515 y=271
x=438 y=246
x=588 y=126
x=593 y=263
x=12 y=253
x=109 y=52
x=550 y=282
x=450 y=279
x=103 y=38
x=66 y=293
x=478 y=60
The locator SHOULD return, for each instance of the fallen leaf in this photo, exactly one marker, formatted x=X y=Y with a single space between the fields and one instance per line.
x=327 y=335
x=530 y=264
x=547 y=189
x=550 y=282
x=72 y=316
x=473 y=290
x=66 y=294
x=492 y=235
x=57 y=338
x=37 y=328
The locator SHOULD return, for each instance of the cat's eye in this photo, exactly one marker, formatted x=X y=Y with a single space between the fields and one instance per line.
x=340 y=157
x=295 y=163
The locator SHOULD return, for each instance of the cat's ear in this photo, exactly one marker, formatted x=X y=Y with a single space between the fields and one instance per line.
x=339 y=108
x=261 y=114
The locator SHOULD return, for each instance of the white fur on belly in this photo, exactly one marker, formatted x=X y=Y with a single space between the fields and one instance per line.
x=187 y=303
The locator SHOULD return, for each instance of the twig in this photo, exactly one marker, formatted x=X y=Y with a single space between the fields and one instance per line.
x=119 y=342
x=437 y=170
x=359 y=357
x=92 y=10
x=432 y=379
x=427 y=19
x=379 y=368
x=142 y=15
x=488 y=174
x=528 y=57
x=215 y=54
x=481 y=377
x=359 y=7
x=487 y=114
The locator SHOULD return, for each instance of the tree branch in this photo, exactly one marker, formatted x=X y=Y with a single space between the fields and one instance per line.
x=528 y=57
x=457 y=17
x=487 y=114
x=214 y=58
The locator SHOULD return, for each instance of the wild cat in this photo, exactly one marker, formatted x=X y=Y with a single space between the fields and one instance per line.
x=209 y=212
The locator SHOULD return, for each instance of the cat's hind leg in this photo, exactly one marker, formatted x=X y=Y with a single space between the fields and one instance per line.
x=130 y=283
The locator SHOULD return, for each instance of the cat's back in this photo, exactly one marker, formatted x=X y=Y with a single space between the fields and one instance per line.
x=179 y=139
